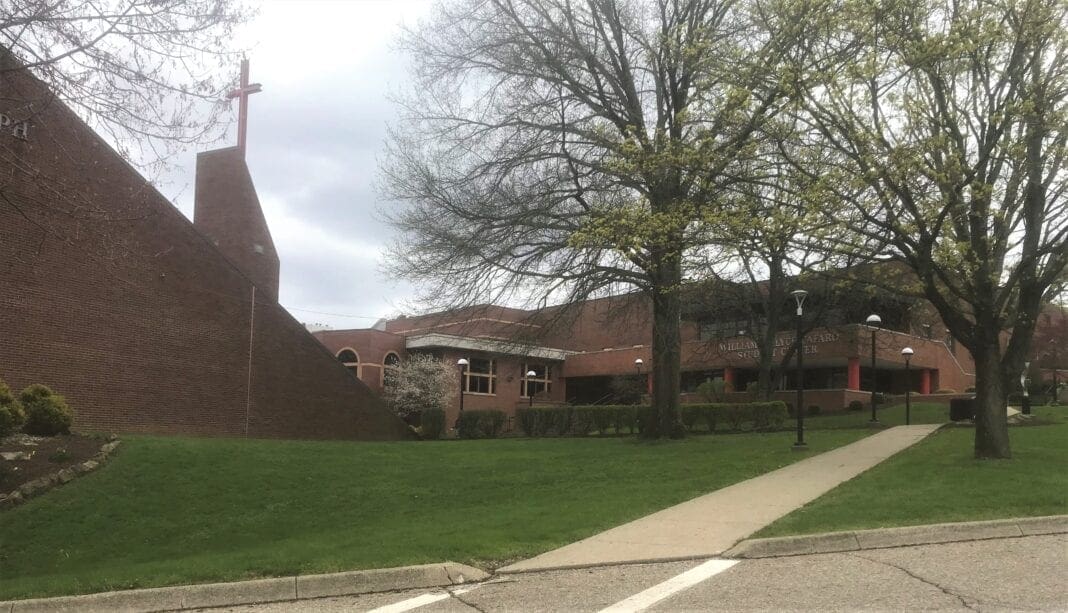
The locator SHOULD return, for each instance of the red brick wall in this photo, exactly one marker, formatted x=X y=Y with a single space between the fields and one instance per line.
x=228 y=213
x=110 y=296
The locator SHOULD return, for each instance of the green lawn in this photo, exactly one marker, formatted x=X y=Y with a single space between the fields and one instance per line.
x=938 y=480
x=921 y=413
x=181 y=510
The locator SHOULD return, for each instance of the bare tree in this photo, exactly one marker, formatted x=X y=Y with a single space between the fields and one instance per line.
x=952 y=115
x=149 y=74
x=554 y=151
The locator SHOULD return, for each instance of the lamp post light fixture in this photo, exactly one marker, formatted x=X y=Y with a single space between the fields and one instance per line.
x=530 y=394
x=638 y=362
x=1026 y=402
x=873 y=321
x=799 y=297
x=462 y=364
x=907 y=354
x=1056 y=364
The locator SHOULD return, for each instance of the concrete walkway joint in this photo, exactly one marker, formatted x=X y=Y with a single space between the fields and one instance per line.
x=709 y=525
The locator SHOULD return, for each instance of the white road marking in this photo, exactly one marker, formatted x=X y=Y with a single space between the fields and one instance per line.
x=420 y=601
x=643 y=600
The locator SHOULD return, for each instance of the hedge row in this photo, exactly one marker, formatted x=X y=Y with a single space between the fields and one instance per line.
x=713 y=417
x=480 y=424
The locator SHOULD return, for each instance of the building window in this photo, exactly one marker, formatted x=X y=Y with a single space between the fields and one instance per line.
x=481 y=376
x=390 y=364
x=540 y=383
x=351 y=360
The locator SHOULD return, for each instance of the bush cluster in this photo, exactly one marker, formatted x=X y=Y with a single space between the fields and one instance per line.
x=480 y=424
x=12 y=415
x=431 y=424
x=855 y=405
x=47 y=413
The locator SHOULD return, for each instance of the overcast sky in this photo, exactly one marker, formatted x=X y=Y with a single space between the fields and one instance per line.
x=315 y=134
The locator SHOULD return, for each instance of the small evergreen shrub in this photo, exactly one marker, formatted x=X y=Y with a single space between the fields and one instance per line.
x=12 y=415
x=432 y=424
x=946 y=391
x=582 y=420
x=813 y=409
x=969 y=390
x=59 y=456
x=47 y=413
x=855 y=405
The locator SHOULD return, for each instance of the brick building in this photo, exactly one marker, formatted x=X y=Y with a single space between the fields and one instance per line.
x=577 y=352
x=144 y=321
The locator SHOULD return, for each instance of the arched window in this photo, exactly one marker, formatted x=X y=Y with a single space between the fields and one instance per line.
x=350 y=359
x=390 y=364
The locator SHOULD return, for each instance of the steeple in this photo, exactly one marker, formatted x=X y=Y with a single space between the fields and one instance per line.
x=227 y=209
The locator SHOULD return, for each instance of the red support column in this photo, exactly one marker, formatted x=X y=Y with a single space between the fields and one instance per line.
x=728 y=378
x=853 y=380
x=925 y=380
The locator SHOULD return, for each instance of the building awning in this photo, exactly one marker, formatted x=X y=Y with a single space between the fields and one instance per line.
x=489 y=345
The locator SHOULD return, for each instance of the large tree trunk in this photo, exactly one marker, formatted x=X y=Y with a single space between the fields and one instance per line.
x=667 y=352
x=991 y=425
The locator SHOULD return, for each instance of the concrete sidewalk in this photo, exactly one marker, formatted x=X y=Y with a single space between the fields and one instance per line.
x=709 y=525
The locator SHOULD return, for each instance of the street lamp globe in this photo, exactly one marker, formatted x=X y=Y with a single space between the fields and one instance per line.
x=462 y=362
x=638 y=364
x=873 y=320
x=907 y=353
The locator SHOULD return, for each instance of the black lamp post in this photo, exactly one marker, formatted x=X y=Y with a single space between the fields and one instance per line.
x=907 y=354
x=1056 y=363
x=530 y=394
x=638 y=362
x=462 y=364
x=1026 y=402
x=873 y=321
x=799 y=296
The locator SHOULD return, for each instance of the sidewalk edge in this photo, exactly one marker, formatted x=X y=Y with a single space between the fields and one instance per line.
x=858 y=540
x=258 y=591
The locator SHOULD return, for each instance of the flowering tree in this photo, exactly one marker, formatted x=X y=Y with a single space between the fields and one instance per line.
x=420 y=383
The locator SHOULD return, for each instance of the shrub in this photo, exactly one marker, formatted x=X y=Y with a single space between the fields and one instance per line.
x=11 y=414
x=603 y=420
x=59 y=456
x=582 y=420
x=855 y=405
x=712 y=390
x=47 y=413
x=432 y=424
x=528 y=421
x=813 y=409
x=961 y=409
x=480 y=424
x=946 y=391
x=691 y=415
x=969 y=390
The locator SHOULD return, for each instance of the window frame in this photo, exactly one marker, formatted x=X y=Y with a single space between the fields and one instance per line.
x=546 y=380
x=489 y=377
x=354 y=367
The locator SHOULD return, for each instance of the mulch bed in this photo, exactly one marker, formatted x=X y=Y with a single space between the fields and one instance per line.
x=50 y=454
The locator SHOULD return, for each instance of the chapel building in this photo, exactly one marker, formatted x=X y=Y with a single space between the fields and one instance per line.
x=146 y=321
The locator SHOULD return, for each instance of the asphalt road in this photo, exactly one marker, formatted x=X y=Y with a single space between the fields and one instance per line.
x=1029 y=573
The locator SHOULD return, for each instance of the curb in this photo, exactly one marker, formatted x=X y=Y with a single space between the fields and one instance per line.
x=859 y=540
x=258 y=591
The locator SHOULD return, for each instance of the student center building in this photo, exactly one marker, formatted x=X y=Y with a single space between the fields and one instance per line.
x=576 y=352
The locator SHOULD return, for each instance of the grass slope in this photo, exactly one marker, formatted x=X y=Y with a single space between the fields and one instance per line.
x=938 y=480
x=921 y=413
x=180 y=510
